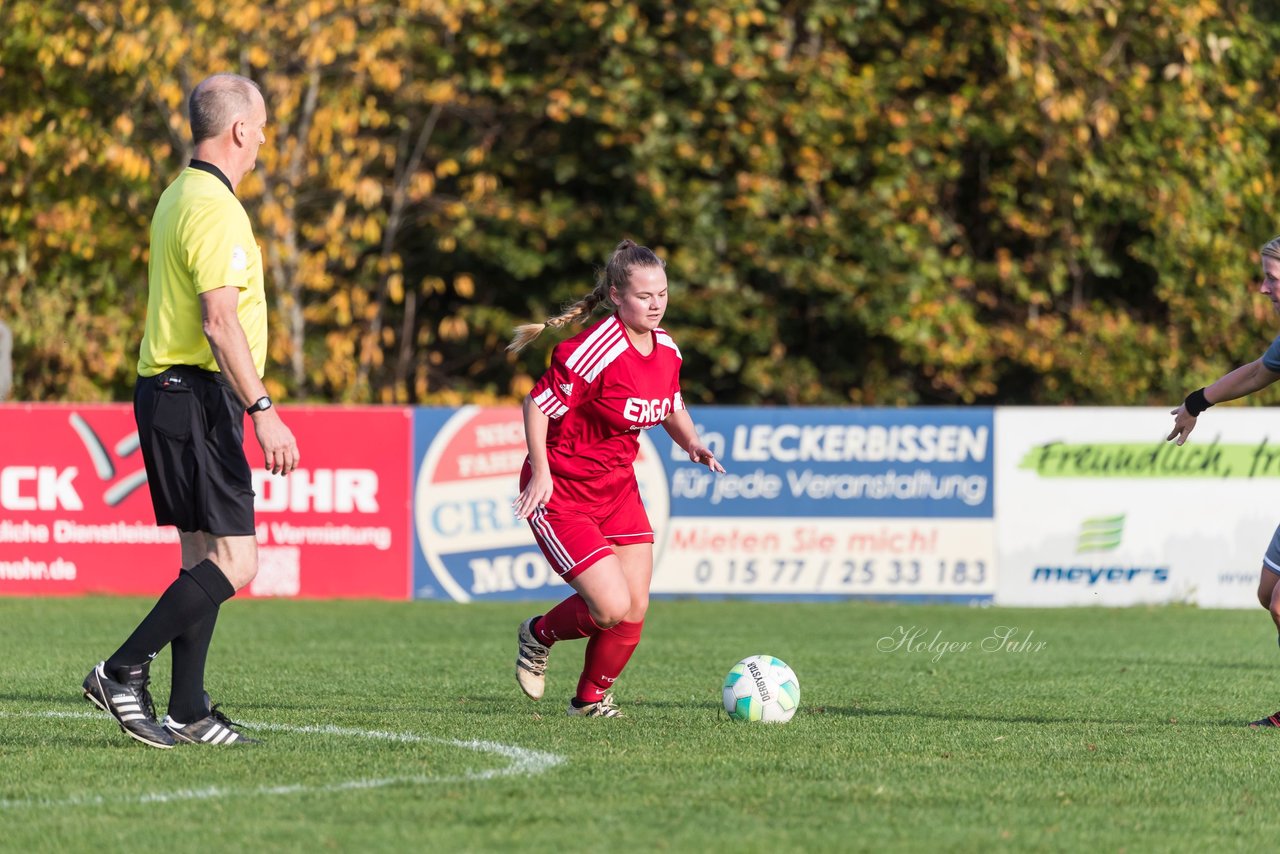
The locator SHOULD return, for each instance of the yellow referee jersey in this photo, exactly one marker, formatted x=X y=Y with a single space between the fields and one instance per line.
x=201 y=239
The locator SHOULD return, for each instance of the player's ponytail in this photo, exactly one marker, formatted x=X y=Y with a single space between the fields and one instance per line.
x=616 y=273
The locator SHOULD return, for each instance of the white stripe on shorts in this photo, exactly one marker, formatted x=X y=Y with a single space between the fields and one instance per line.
x=588 y=557
x=554 y=546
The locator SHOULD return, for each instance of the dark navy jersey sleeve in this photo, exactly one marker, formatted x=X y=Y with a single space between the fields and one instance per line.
x=1271 y=358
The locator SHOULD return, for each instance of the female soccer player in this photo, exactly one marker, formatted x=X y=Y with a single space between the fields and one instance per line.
x=1242 y=381
x=582 y=422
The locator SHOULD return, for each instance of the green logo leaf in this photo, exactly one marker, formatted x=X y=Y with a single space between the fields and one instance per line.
x=1101 y=534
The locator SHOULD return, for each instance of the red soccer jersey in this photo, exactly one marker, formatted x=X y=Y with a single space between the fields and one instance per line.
x=599 y=393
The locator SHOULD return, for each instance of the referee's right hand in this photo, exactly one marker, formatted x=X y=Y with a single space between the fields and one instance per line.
x=279 y=448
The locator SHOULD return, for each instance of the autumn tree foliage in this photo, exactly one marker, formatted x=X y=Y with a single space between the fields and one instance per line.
x=892 y=202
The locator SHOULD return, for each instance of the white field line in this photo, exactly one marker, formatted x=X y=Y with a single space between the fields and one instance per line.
x=521 y=762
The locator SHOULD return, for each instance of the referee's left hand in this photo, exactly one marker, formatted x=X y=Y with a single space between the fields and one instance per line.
x=279 y=448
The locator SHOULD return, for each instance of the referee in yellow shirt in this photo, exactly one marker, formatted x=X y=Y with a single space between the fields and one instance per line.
x=199 y=371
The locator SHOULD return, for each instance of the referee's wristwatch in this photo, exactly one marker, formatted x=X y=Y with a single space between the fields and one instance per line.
x=261 y=404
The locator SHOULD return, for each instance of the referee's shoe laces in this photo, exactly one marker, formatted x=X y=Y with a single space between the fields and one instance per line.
x=214 y=728
x=122 y=693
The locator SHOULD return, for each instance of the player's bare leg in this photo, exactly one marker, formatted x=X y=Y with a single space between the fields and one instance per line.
x=1267 y=584
x=604 y=588
x=637 y=569
x=1269 y=598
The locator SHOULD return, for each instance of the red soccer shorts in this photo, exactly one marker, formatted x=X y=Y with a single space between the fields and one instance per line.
x=584 y=520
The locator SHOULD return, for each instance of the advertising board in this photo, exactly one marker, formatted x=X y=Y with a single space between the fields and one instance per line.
x=1094 y=507
x=76 y=517
x=833 y=502
x=816 y=503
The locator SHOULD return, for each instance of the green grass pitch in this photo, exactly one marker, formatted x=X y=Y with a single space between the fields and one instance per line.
x=398 y=726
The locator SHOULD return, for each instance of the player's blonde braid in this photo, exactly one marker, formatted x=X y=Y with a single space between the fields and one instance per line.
x=625 y=256
x=579 y=310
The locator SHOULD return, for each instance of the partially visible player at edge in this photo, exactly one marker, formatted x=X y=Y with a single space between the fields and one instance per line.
x=199 y=372
x=582 y=423
x=1240 y=382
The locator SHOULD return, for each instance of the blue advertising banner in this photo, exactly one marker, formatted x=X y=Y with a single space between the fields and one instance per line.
x=890 y=503
x=837 y=462
x=468 y=545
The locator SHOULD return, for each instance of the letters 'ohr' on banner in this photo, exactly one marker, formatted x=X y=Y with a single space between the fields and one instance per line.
x=75 y=514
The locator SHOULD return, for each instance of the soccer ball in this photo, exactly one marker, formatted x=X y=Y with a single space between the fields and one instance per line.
x=761 y=688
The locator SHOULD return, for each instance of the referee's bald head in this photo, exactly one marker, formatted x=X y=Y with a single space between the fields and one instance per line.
x=217 y=102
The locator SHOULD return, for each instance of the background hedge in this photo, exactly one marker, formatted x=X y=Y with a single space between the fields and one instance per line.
x=910 y=202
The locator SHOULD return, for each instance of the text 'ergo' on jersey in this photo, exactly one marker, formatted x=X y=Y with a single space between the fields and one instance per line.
x=600 y=392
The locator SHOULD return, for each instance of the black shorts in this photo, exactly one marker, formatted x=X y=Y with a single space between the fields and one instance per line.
x=191 y=429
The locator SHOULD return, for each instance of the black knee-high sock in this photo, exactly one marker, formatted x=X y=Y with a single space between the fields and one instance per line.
x=190 y=650
x=190 y=599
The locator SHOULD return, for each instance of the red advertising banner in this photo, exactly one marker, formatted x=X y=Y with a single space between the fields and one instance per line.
x=75 y=514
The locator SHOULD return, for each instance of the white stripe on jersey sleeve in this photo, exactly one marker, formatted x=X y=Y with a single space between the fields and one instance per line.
x=606 y=329
x=601 y=349
x=550 y=406
x=603 y=362
x=665 y=340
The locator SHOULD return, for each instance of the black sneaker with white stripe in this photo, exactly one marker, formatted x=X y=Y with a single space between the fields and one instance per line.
x=215 y=728
x=122 y=693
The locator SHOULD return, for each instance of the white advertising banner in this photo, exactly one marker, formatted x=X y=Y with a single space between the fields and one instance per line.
x=868 y=502
x=897 y=558
x=1094 y=507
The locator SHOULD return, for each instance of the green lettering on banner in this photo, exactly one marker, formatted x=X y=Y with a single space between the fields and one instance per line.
x=1153 y=459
